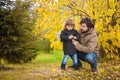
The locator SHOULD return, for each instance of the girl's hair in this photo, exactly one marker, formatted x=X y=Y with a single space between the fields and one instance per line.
x=69 y=22
x=88 y=22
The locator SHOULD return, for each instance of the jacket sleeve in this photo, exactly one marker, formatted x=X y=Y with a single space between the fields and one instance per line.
x=63 y=36
x=90 y=47
x=77 y=36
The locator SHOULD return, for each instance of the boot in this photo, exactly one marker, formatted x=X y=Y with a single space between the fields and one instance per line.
x=63 y=67
x=79 y=65
x=94 y=69
x=76 y=67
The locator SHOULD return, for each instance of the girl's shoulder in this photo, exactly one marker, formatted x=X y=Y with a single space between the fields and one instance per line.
x=75 y=31
x=64 y=31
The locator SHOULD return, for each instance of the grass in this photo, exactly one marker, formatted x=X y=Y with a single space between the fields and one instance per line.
x=53 y=56
x=47 y=67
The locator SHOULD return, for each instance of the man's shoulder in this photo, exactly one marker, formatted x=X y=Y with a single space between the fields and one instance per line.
x=90 y=35
x=94 y=33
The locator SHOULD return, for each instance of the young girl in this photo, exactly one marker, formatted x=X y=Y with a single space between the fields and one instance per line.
x=66 y=37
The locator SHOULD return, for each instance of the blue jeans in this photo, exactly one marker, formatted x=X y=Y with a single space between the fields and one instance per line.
x=91 y=58
x=73 y=57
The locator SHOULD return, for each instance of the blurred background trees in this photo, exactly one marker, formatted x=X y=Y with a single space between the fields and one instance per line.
x=29 y=26
x=105 y=14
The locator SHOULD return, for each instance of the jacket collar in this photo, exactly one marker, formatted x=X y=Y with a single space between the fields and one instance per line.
x=87 y=33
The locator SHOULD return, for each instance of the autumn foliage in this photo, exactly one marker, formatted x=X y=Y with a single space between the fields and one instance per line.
x=51 y=14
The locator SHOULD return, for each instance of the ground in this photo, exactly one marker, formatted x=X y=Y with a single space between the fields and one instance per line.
x=50 y=70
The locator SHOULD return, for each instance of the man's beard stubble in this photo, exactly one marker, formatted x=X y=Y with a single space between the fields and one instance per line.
x=84 y=31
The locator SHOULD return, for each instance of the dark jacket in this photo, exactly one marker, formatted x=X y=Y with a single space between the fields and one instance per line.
x=68 y=47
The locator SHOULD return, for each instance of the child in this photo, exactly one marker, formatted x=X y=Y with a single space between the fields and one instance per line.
x=66 y=37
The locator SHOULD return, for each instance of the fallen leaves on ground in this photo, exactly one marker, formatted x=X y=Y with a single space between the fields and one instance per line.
x=52 y=71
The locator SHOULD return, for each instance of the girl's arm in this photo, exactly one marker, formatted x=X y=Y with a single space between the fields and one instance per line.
x=63 y=36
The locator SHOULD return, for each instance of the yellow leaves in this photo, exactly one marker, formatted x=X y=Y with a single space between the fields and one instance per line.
x=116 y=67
x=118 y=43
x=54 y=70
x=88 y=74
x=52 y=14
x=50 y=20
x=105 y=36
x=36 y=9
x=57 y=45
x=112 y=3
x=112 y=56
x=51 y=37
x=106 y=50
x=91 y=79
x=101 y=70
x=35 y=32
x=99 y=25
x=66 y=1
x=110 y=42
x=110 y=12
x=65 y=79
x=75 y=11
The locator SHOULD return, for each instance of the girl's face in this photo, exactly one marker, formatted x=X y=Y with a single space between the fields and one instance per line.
x=69 y=27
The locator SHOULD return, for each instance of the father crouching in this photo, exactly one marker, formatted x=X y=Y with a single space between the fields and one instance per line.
x=88 y=47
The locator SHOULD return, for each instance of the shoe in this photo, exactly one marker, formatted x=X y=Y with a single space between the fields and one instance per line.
x=76 y=67
x=63 y=67
x=79 y=66
x=94 y=69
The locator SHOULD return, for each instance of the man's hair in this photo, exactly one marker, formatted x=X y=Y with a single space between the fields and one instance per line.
x=88 y=22
x=69 y=22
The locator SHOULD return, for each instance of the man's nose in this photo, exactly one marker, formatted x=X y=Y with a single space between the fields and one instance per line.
x=81 y=27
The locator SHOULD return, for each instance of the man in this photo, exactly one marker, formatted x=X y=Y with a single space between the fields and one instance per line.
x=88 y=45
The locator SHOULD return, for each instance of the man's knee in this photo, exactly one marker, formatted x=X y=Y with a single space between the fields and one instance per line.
x=89 y=59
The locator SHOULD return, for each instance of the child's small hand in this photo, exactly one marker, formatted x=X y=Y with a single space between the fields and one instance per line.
x=70 y=37
x=74 y=37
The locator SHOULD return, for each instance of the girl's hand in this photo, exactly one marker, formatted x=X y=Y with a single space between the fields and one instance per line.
x=70 y=37
x=74 y=37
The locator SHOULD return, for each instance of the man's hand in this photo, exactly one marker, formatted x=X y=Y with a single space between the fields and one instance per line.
x=70 y=37
x=74 y=42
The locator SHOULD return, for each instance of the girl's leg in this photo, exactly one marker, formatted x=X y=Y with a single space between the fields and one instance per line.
x=64 y=61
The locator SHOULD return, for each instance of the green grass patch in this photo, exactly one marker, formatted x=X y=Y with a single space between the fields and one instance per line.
x=53 y=56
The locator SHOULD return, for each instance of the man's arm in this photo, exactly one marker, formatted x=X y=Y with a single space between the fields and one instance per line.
x=89 y=48
x=77 y=36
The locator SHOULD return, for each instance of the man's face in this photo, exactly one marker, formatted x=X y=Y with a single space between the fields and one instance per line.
x=83 y=27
